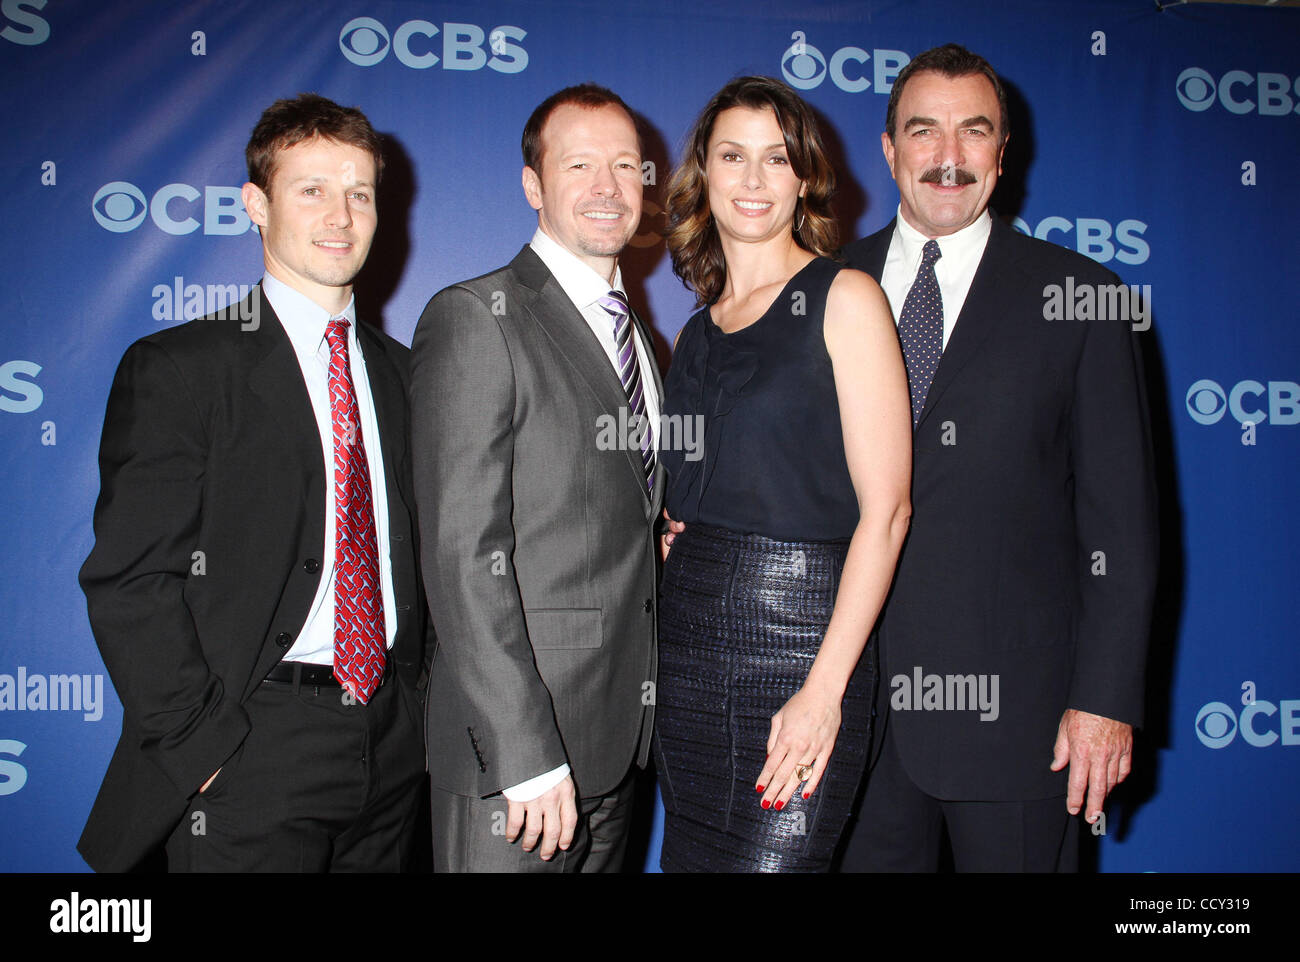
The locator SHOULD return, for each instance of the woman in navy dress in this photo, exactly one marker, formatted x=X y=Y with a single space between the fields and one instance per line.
x=796 y=504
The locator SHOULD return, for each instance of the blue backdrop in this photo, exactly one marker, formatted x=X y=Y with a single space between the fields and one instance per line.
x=1161 y=143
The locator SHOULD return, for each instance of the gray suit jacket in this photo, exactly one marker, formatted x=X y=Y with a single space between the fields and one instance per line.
x=537 y=546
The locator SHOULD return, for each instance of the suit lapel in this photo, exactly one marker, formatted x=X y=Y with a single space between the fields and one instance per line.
x=568 y=330
x=390 y=403
x=276 y=379
x=870 y=257
x=660 y=478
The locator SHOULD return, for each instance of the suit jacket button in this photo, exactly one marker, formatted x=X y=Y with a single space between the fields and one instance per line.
x=283 y=639
x=648 y=605
x=311 y=566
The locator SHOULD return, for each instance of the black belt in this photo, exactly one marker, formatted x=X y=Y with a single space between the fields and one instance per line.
x=316 y=676
x=288 y=672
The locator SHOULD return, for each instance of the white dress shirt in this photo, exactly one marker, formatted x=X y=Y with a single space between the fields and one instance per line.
x=584 y=287
x=305 y=321
x=955 y=269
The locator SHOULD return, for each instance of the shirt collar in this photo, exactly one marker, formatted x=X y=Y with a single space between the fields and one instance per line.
x=302 y=318
x=954 y=248
x=580 y=283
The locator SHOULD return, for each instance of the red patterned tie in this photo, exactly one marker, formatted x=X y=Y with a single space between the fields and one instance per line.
x=359 y=638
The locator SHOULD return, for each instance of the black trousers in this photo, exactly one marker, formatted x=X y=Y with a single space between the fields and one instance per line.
x=899 y=828
x=319 y=785
x=469 y=835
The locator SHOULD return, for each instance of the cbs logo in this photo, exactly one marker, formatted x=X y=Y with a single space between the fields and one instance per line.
x=1217 y=724
x=1093 y=237
x=34 y=30
x=120 y=207
x=1207 y=402
x=13 y=774
x=804 y=67
x=365 y=42
x=18 y=394
x=1197 y=91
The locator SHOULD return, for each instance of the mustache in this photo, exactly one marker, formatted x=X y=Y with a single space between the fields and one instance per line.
x=948 y=176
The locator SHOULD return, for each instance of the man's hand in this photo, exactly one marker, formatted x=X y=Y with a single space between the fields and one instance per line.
x=205 y=785
x=1099 y=752
x=666 y=539
x=551 y=816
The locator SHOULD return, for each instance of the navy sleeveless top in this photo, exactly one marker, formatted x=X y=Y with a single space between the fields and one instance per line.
x=771 y=460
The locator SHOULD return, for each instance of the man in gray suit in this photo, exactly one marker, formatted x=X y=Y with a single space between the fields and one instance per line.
x=536 y=507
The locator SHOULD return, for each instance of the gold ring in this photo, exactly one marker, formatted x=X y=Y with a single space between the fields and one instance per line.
x=804 y=772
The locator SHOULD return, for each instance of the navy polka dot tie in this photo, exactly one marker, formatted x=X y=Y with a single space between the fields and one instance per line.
x=920 y=329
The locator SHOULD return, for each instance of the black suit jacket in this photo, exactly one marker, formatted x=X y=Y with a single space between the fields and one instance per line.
x=1031 y=455
x=208 y=534
x=538 y=551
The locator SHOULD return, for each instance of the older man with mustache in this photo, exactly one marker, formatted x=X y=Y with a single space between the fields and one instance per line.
x=1029 y=570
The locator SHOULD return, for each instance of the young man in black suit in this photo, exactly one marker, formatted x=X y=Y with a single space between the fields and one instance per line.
x=1014 y=640
x=253 y=585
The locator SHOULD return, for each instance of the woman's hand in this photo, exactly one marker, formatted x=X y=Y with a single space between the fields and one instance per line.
x=803 y=733
x=666 y=539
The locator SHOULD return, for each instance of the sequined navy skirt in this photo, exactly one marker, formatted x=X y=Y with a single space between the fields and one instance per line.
x=741 y=618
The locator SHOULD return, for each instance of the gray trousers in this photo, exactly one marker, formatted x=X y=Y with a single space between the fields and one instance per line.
x=469 y=835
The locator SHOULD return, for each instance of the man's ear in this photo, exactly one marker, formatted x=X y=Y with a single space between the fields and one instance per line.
x=255 y=203
x=532 y=188
x=1001 y=153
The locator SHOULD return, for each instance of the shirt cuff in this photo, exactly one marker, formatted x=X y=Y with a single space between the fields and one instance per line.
x=527 y=791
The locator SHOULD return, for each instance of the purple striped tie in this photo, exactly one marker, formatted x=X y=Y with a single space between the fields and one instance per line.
x=629 y=372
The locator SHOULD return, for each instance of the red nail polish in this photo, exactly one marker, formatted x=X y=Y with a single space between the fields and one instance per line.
x=780 y=805
x=766 y=803
x=759 y=788
x=807 y=794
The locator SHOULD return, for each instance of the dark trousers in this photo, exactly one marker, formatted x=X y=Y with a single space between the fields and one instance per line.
x=319 y=785
x=899 y=829
x=469 y=835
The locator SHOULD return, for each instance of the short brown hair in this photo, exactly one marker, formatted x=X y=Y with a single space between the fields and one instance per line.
x=587 y=95
x=951 y=60
x=288 y=122
x=692 y=234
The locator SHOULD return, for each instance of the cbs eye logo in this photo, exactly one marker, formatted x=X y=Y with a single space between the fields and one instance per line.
x=364 y=41
x=1206 y=401
x=802 y=64
x=1195 y=89
x=119 y=207
x=1216 y=724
